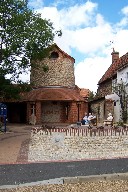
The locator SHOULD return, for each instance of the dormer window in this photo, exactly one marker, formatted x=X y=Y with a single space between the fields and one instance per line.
x=54 y=55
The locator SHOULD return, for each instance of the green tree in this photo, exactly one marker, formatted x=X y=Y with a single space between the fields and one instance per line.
x=91 y=96
x=24 y=35
x=9 y=91
x=120 y=90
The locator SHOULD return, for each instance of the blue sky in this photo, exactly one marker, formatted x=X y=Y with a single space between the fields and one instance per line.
x=88 y=29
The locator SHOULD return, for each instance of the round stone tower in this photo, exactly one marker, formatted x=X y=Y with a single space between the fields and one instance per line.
x=55 y=70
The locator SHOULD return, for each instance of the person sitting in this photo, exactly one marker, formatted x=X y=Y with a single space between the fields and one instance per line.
x=92 y=119
x=109 y=120
x=84 y=121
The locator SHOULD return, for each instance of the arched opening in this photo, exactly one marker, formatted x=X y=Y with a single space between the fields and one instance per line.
x=54 y=55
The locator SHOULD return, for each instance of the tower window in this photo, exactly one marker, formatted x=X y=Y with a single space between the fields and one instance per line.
x=54 y=55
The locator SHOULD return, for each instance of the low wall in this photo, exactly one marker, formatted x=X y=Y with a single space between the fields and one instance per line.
x=72 y=144
x=81 y=131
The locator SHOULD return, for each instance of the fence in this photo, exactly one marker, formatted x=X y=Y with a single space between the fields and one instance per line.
x=81 y=131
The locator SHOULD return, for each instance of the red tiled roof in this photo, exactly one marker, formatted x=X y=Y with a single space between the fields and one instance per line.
x=53 y=94
x=84 y=92
x=114 y=67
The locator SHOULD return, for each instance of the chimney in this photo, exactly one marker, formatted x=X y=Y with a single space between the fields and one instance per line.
x=115 y=55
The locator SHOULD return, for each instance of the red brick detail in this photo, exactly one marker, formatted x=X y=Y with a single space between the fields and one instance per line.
x=115 y=56
x=72 y=112
x=38 y=113
x=28 y=111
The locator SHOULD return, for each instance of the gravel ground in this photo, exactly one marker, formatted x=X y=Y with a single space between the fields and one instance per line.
x=101 y=186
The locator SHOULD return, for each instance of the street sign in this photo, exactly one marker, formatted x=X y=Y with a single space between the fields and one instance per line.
x=3 y=114
x=3 y=110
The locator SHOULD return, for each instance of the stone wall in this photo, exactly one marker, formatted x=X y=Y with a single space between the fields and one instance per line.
x=105 y=88
x=102 y=107
x=60 y=72
x=97 y=108
x=59 y=146
x=109 y=108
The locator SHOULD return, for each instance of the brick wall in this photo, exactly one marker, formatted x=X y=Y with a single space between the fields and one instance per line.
x=55 y=112
x=38 y=112
x=73 y=113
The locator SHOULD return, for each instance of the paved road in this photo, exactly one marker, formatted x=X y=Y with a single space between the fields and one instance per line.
x=14 y=174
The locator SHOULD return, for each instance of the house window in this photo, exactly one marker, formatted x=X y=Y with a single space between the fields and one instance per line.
x=114 y=84
x=54 y=55
x=33 y=109
x=127 y=77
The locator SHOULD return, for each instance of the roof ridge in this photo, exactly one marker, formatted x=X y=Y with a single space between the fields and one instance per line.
x=55 y=45
x=112 y=69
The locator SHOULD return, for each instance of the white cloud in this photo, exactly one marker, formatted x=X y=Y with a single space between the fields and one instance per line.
x=65 y=42
x=92 y=39
x=86 y=30
x=72 y=17
x=51 y=13
x=124 y=20
x=125 y=10
x=78 y=15
x=89 y=72
x=121 y=41
x=83 y=28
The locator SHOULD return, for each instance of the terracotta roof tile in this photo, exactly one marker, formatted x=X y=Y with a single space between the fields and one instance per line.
x=53 y=94
x=84 y=92
x=114 y=67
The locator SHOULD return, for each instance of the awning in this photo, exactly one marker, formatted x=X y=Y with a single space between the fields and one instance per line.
x=53 y=94
x=113 y=97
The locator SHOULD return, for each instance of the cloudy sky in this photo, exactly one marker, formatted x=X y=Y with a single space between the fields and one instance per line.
x=91 y=29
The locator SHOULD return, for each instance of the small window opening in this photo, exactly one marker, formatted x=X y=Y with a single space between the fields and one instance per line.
x=54 y=55
x=33 y=109
x=54 y=103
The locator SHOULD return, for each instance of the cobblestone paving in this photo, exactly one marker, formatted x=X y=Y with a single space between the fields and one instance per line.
x=101 y=186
